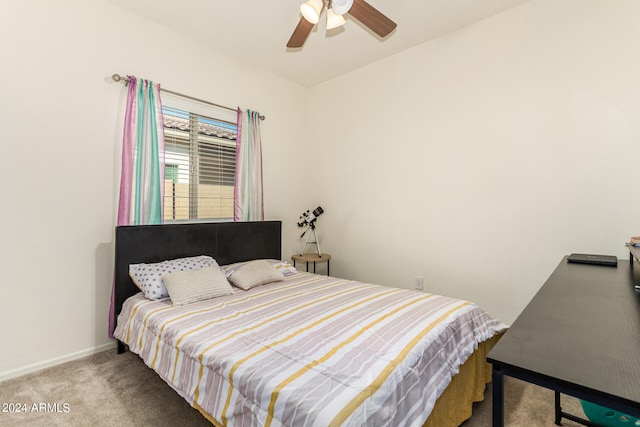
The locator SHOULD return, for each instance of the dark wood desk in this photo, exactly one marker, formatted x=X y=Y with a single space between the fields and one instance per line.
x=579 y=335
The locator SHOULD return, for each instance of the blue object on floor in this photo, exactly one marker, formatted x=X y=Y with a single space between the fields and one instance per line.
x=608 y=417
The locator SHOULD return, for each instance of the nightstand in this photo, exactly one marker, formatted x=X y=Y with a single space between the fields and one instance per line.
x=311 y=257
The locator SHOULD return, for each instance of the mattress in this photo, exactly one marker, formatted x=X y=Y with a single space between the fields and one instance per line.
x=309 y=351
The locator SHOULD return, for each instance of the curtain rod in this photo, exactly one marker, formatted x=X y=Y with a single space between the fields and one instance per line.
x=117 y=77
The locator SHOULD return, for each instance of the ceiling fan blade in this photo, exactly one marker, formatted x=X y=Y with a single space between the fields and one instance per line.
x=372 y=18
x=300 y=34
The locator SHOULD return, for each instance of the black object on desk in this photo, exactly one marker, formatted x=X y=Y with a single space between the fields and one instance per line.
x=594 y=259
x=579 y=335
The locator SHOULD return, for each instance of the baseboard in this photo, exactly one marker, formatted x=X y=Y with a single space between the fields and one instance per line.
x=56 y=361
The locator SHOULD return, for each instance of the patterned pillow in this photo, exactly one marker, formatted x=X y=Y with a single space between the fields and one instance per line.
x=148 y=277
x=190 y=286
x=284 y=267
x=255 y=273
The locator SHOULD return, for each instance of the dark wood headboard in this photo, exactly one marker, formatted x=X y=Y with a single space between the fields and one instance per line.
x=226 y=242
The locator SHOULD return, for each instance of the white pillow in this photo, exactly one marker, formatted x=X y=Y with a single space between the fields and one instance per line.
x=255 y=273
x=283 y=266
x=190 y=286
x=148 y=277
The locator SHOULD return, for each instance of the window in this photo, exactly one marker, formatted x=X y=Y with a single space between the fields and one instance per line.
x=200 y=159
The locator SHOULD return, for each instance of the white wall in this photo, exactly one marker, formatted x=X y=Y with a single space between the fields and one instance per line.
x=481 y=158
x=61 y=135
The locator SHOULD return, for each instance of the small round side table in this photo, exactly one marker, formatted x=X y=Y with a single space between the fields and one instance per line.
x=312 y=257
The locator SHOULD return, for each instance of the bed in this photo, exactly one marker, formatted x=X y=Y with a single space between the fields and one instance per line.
x=304 y=349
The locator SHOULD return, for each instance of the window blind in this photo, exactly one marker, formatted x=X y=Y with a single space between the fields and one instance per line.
x=200 y=157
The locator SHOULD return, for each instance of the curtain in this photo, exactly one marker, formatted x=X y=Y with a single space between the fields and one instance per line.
x=142 y=174
x=142 y=178
x=248 y=202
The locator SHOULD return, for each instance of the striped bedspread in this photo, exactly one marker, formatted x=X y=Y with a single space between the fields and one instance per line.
x=309 y=351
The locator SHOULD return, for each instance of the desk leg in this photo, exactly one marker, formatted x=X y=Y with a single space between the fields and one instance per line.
x=314 y=267
x=558 y=409
x=328 y=267
x=497 y=378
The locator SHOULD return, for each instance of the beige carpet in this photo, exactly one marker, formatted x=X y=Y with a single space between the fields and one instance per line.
x=108 y=389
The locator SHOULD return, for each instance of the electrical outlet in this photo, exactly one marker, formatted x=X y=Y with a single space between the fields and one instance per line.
x=419 y=281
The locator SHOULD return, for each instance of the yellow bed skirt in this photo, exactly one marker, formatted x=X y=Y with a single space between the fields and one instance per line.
x=455 y=404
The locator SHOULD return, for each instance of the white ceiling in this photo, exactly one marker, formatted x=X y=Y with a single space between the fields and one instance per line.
x=256 y=31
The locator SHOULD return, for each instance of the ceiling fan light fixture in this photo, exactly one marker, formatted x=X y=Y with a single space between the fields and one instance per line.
x=341 y=7
x=366 y=14
x=311 y=10
x=334 y=20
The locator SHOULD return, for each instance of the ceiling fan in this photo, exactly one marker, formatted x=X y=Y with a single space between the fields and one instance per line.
x=359 y=9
